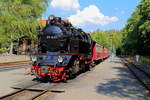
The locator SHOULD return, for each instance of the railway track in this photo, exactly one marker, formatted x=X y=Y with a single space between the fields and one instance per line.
x=15 y=63
x=7 y=68
x=140 y=74
x=31 y=92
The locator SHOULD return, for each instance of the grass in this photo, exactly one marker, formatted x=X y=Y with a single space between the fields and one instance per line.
x=145 y=60
x=142 y=59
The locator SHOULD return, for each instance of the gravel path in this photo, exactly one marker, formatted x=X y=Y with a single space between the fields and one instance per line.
x=12 y=77
x=110 y=80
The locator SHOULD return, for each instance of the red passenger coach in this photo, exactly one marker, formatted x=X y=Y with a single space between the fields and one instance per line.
x=100 y=53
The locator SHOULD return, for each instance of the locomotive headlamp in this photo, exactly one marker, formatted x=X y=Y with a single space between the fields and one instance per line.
x=51 y=17
x=60 y=59
x=33 y=58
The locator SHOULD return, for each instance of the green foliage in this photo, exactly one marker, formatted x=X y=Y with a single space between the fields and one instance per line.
x=101 y=38
x=3 y=50
x=116 y=37
x=18 y=17
x=137 y=31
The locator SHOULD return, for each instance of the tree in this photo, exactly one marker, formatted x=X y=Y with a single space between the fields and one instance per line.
x=101 y=38
x=18 y=18
x=130 y=34
x=144 y=28
x=116 y=37
x=137 y=30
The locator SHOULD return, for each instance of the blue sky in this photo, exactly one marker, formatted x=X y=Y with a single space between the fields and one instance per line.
x=101 y=14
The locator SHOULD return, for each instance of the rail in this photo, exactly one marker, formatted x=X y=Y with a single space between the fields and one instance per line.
x=28 y=93
x=141 y=75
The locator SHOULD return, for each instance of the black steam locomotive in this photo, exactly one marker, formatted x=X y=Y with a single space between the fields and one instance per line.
x=63 y=51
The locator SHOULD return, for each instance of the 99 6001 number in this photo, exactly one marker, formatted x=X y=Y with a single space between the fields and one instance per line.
x=51 y=37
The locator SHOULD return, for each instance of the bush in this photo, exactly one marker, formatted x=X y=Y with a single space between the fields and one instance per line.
x=3 y=50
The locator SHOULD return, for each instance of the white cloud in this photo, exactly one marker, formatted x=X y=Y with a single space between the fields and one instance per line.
x=91 y=15
x=65 y=5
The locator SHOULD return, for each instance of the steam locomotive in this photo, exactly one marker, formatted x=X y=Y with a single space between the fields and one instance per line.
x=64 y=51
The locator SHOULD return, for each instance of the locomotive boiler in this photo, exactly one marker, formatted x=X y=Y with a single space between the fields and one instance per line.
x=64 y=51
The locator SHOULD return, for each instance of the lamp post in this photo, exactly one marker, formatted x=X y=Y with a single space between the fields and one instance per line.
x=111 y=46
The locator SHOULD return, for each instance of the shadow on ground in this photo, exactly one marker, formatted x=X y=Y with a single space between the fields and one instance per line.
x=124 y=86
